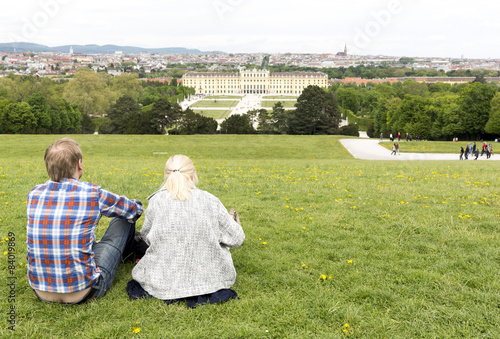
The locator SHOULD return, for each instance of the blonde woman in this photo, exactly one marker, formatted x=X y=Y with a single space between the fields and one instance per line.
x=189 y=233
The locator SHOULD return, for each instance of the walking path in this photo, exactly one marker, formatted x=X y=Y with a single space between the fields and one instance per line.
x=369 y=149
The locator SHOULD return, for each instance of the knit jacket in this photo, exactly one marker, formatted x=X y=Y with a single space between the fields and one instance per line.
x=189 y=242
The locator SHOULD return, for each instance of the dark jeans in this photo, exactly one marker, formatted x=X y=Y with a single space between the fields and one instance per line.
x=116 y=244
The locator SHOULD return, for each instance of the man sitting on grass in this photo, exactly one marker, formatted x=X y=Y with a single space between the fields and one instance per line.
x=65 y=263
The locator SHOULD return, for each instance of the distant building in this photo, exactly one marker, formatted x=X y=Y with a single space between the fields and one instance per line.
x=344 y=53
x=253 y=82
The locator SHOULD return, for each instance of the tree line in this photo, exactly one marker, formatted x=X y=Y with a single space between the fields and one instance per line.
x=434 y=111
x=317 y=112
x=29 y=104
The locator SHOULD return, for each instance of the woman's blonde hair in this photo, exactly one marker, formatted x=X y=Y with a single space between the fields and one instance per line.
x=180 y=176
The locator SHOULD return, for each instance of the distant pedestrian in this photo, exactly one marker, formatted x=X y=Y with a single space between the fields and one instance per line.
x=466 y=154
x=399 y=136
x=394 y=148
x=484 y=148
x=381 y=137
x=461 y=153
x=490 y=151
x=391 y=137
x=397 y=147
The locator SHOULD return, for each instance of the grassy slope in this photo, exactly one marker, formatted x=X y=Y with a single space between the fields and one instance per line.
x=411 y=247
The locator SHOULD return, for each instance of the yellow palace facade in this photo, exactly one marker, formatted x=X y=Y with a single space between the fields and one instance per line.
x=253 y=82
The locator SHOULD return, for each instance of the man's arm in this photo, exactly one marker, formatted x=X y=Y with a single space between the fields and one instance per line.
x=114 y=205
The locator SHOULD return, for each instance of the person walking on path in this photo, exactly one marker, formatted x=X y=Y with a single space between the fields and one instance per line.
x=466 y=154
x=461 y=153
x=484 y=148
x=394 y=148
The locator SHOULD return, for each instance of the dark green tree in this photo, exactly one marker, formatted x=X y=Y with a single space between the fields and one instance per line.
x=264 y=122
x=475 y=107
x=317 y=112
x=348 y=98
x=164 y=114
x=237 y=124
x=42 y=112
x=493 y=124
x=124 y=117
x=18 y=118
x=193 y=123
x=279 y=119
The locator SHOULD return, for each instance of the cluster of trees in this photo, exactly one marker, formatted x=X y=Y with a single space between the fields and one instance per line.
x=317 y=112
x=32 y=105
x=384 y=71
x=434 y=111
x=126 y=116
x=437 y=112
x=35 y=115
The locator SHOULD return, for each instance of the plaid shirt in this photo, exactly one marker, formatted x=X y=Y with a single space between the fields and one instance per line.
x=62 y=218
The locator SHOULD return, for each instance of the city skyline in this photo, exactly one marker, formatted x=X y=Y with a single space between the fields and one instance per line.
x=413 y=28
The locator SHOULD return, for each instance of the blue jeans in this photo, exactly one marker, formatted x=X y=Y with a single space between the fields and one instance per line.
x=116 y=243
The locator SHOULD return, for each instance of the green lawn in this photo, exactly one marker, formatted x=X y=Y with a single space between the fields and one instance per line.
x=223 y=97
x=436 y=146
x=335 y=247
x=215 y=103
x=271 y=103
x=279 y=97
x=216 y=114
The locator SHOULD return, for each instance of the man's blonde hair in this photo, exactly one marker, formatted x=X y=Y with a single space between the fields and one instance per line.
x=61 y=158
x=180 y=176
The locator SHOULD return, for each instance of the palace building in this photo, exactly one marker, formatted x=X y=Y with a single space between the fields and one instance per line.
x=253 y=82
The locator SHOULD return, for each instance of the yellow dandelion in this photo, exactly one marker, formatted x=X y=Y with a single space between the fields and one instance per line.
x=264 y=243
x=136 y=329
x=322 y=277
x=349 y=261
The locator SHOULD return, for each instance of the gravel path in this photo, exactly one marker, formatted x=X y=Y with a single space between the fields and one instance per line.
x=369 y=149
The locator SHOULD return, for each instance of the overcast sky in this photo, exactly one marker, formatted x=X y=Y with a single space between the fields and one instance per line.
x=380 y=27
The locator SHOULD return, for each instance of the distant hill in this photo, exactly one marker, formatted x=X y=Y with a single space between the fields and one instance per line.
x=20 y=47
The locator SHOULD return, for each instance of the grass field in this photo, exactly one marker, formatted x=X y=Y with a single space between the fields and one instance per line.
x=335 y=247
x=271 y=103
x=216 y=114
x=436 y=146
x=215 y=103
x=279 y=97
x=223 y=97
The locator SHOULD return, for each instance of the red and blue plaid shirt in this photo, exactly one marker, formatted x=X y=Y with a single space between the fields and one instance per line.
x=62 y=218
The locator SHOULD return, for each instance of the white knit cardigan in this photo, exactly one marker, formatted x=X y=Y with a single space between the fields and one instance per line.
x=189 y=242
